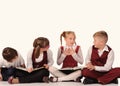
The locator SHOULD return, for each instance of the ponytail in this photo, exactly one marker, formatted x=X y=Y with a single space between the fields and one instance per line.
x=40 y=42
x=62 y=35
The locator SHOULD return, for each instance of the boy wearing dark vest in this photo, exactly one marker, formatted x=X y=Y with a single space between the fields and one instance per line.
x=99 y=61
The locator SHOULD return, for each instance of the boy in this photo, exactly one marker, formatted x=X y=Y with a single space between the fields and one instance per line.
x=11 y=59
x=99 y=61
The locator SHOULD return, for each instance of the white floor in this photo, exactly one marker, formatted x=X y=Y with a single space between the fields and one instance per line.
x=3 y=83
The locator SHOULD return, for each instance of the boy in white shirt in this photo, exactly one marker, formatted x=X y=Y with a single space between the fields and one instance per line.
x=99 y=61
x=11 y=59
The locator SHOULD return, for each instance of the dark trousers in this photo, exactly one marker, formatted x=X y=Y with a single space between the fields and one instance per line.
x=35 y=76
x=7 y=72
x=103 y=77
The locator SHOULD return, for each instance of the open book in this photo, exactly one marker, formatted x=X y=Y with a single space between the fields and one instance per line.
x=74 y=68
x=25 y=69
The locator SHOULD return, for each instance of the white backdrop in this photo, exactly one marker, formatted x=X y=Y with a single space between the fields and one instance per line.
x=24 y=20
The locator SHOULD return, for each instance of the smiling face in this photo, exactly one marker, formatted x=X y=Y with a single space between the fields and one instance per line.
x=99 y=42
x=70 y=39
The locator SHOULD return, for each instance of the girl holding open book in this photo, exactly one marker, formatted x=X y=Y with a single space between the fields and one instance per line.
x=69 y=56
x=40 y=56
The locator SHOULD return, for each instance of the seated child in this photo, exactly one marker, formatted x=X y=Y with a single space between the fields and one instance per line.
x=11 y=59
x=99 y=61
x=69 y=56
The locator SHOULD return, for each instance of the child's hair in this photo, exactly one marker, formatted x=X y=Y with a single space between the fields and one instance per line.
x=65 y=33
x=40 y=42
x=9 y=53
x=101 y=34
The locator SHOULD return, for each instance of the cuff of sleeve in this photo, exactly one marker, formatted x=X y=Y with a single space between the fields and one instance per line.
x=63 y=55
x=74 y=54
x=96 y=68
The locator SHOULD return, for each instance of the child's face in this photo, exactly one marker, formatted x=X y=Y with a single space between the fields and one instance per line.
x=14 y=59
x=99 y=42
x=70 y=39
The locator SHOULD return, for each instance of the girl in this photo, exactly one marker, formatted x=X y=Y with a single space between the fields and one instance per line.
x=11 y=59
x=38 y=57
x=69 y=56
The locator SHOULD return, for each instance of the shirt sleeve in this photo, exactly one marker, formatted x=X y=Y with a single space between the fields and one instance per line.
x=22 y=62
x=108 y=64
x=78 y=56
x=29 y=59
x=88 y=57
x=1 y=63
x=60 y=57
x=50 y=57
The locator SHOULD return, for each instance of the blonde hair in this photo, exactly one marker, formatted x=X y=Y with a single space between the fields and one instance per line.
x=101 y=34
x=65 y=33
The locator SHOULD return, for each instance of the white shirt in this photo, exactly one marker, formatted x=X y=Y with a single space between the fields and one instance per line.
x=76 y=56
x=109 y=61
x=17 y=63
x=40 y=58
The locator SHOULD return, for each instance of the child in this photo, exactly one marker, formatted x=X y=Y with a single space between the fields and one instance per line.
x=99 y=61
x=69 y=56
x=11 y=59
x=38 y=57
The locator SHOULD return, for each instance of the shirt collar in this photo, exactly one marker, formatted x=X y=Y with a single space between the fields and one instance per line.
x=105 y=48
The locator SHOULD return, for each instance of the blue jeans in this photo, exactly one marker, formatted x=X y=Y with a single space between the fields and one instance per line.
x=7 y=72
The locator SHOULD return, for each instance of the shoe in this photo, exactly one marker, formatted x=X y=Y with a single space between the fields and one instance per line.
x=78 y=79
x=89 y=81
x=115 y=81
x=51 y=79
x=46 y=79
x=10 y=80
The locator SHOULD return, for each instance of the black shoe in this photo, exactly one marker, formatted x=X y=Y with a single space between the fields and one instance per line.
x=89 y=81
x=78 y=79
x=115 y=81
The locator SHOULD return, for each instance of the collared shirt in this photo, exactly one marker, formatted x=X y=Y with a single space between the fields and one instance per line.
x=77 y=56
x=109 y=61
x=17 y=63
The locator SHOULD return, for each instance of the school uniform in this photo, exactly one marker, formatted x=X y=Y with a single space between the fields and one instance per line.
x=8 y=68
x=69 y=61
x=37 y=76
x=102 y=60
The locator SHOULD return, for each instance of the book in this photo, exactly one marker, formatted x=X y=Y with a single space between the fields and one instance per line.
x=74 y=68
x=25 y=69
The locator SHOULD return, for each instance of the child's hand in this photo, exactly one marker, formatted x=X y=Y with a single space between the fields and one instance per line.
x=90 y=66
x=46 y=66
x=71 y=50
x=0 y=77
x=66 y=51
x=29 y=70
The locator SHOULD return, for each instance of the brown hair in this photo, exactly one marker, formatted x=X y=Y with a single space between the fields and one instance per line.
x=40 y=42
x=9 y=53
x=101 y=34
x=65 y=33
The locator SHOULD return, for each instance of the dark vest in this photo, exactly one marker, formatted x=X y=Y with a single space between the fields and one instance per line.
x=69 y=60
x=39 y=64
x=99 y=60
